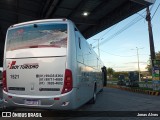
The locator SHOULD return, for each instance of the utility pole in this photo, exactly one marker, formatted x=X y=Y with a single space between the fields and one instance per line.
x=152 y=50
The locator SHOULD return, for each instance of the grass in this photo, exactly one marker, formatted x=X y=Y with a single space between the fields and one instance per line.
x=142 y=88
x=143 y=83
x=149 y=82
x=150 y=89
x=113 y=80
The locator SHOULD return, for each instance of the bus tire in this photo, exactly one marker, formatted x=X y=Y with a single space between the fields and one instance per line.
x=101 y=90
x=93 y=100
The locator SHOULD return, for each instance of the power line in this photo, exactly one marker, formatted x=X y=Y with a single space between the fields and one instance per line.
x=107 y=31
x=155 y=11
x=117 y=55
x=141 y=15
x=137 y=19
x=121 y=30
x=120 y=55
x=152 y=6
x=134 y=21
x=105 y=34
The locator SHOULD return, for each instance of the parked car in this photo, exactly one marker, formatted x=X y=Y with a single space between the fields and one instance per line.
x=121 y=80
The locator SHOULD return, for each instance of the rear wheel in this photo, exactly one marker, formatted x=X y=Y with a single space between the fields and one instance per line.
x=101 y=90
x=93 y=100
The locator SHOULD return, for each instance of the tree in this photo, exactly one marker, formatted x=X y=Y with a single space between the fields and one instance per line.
x=116 y=74
x=110 y=72
x=149 y=67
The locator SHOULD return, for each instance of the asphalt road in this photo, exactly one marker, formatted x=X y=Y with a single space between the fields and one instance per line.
x=116 y=100
x=0 y=92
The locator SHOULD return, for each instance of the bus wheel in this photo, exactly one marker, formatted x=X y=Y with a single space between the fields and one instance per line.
x=93 y=100
x=101 y=90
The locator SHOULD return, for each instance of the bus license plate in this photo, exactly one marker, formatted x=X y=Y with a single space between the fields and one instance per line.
x=32 y=102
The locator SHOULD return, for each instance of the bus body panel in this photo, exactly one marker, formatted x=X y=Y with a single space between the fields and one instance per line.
x=83 y=74
x=35 y=76
x=89 y=67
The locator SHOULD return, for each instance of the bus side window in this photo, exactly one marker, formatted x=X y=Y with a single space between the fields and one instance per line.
x=79 y=41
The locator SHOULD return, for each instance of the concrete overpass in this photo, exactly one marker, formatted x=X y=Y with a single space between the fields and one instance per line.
x=90 y=16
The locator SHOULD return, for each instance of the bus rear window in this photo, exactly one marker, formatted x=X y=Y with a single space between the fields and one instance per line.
x=37 y=35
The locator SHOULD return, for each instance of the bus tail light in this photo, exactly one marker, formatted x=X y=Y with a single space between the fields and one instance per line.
x=68 y=82
x=57 y=98
x=5 y=81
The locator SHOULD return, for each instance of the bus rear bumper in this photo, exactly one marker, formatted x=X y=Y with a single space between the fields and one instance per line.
x=58 y=102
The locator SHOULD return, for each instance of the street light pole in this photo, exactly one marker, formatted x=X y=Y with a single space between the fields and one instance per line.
x=138 y=65
x=139 y=72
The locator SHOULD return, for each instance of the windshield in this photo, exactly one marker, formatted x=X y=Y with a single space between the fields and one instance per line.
x=37 y=35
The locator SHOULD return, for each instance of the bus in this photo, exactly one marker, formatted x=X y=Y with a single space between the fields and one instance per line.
x=48 y=64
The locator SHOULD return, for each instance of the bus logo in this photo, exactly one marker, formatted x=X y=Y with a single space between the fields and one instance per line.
x=13 y=65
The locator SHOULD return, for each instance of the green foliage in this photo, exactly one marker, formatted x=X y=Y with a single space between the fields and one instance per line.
x=158 y=55
x=116 y=74
x=149 y=67
x=110 y=71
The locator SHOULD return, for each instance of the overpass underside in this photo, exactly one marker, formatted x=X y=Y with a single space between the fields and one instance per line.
x=101 y=13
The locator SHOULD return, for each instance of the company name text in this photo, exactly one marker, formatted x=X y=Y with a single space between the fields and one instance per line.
x=24 y=66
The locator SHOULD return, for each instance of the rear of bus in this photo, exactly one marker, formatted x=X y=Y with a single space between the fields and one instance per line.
x=35 y=73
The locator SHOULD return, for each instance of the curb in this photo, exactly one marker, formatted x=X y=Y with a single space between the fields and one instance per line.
x=149 y=92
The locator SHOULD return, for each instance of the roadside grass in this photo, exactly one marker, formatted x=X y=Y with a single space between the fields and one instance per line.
x=145 y=88
x=114 y=81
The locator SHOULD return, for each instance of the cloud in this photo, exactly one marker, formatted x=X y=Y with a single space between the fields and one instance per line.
x=130 y=67
x=135 y=63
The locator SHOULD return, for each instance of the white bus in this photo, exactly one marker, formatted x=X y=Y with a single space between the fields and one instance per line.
x=48 y=64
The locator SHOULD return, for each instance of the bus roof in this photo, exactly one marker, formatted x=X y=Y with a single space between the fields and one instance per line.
x=37 y=21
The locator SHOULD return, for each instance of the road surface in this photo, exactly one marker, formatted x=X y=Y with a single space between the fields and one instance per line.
x=115 y=100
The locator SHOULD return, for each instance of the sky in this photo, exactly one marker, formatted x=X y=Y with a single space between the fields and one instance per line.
x=119 y=51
